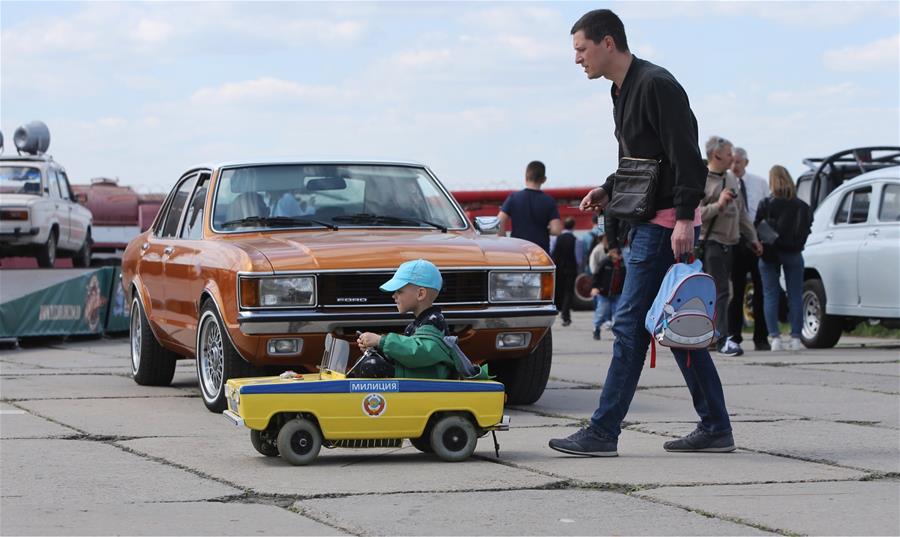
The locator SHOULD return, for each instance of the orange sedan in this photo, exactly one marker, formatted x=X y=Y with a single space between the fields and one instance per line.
x=249 y=266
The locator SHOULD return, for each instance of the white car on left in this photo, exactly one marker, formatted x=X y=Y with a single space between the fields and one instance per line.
x=39 y=214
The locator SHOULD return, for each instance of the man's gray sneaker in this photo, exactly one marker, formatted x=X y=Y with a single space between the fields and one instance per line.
x=700 y=440
x=586 y=442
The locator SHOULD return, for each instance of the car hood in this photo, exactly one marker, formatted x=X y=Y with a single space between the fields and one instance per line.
x=372 y=250
x=18 y=200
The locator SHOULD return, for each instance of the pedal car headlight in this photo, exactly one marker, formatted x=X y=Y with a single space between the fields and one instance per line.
x=520 y=286
x=280 y=291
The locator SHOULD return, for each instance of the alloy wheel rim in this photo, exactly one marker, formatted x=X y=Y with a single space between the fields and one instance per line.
x=811 y=312
x=135 y=337
x=211 y=358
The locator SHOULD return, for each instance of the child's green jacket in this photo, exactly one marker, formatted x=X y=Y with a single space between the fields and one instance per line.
x=421 y=355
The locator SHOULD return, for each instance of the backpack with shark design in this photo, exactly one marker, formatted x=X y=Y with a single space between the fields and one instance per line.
x=683 y=314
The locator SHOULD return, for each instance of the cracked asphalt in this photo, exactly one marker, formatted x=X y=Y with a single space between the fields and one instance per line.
x=85 y=451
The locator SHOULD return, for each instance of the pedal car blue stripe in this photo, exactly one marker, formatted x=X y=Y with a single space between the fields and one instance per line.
x=343 y=386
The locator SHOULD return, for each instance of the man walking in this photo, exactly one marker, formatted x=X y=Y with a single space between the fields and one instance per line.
x=725 y=221
x=566 y=270
x=653 y=119
x=753 y=189
x=534 y=214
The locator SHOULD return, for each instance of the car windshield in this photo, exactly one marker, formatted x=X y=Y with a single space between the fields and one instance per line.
x=328 y=195
x=20 y=180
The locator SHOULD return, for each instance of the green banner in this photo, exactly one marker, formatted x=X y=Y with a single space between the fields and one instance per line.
x=73 y=306
x=118 y=312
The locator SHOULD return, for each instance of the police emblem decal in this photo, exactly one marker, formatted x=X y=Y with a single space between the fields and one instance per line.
x=374 y=405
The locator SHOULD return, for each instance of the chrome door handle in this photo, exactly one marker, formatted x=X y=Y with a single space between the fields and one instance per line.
x=168 y=250
x=873 y=233
x=145 y=246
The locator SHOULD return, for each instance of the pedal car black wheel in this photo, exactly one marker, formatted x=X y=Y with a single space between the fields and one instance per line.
x=422 y=443
x=453 y=438
x=151 y=363
x=299 y=441
x=217 y=359
x=263 y=443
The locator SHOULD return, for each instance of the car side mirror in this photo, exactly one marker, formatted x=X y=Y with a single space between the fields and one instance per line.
x=81 y=198
x=487 y=225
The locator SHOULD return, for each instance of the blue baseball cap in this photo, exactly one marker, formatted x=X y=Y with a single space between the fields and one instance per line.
x=419 y=272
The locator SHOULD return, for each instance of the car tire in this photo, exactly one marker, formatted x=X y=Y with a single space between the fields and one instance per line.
x=151 y=363
x=46 y=255
x=820 y=330
x=82 y=257
x=526 y=378
x=264 y=443
x=217 y=359
x=299 y=441
x=422 y=443
x=453 y=438
x=582 y=299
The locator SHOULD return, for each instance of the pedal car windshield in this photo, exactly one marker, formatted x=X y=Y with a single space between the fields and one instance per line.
x=337 y=352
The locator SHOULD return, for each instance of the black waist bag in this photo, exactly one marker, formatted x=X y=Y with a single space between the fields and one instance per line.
x=634 y=189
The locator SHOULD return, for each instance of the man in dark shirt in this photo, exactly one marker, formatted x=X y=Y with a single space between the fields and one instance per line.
x=653 y=119
x=534 y=214
x=566 y=270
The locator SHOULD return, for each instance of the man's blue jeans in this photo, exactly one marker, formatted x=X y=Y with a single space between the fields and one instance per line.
x=650 y=258
x=793 y=277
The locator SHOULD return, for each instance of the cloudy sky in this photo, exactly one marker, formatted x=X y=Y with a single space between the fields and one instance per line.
x=141 y=91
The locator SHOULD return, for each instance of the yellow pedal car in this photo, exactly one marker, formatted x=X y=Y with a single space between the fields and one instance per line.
x=295 y=415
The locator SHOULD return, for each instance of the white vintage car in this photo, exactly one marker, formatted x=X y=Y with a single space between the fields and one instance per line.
x=852 y=259
x=39 y=215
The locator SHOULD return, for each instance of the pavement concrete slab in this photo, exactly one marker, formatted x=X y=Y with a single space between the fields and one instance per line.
x=836 y=404
x=348 y=471
x=84 y=473
x=645 y=407
x=841 y=508
x=817 y=356
x=533 y=512
x=520 y=418
x=891 y=369
x=736 y=375
x=642 y=461
x=75 y=386
x=555 y=384
x=18 y=423
x=164 y=518
x=174 y=416
x=863 y=447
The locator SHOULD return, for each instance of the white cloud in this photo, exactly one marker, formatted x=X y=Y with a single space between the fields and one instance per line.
x=152 y=32
x=421 y=58
x=883 y=54
x=806 y=96
x=265 y=88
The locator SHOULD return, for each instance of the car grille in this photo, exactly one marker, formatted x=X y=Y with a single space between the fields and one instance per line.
x=361 y=289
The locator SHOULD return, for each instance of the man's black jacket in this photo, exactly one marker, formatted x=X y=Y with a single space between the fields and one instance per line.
x=564 y=253
x=653 y=117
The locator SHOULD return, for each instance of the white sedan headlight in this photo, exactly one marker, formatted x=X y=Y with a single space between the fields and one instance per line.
x=520 y=286
x=278 y=291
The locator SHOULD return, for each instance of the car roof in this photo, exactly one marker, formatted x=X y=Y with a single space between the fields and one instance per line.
x=307 y=161
x=884 y=173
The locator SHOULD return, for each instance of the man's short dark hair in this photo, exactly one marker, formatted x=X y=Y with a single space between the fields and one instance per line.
x=536 y=172
x=600 y=23
x=569 y=223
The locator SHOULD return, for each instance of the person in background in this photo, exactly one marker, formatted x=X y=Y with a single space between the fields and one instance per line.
x=566 y=270
x=534 y=214
x=617 y=236
x=606 y=288
x=753 y=189
x=725 y=221
x=792 y=219
x=589 y=241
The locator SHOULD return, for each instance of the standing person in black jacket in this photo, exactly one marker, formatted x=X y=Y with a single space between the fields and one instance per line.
x=566 y=270
x=791 y=218
x=653 y=119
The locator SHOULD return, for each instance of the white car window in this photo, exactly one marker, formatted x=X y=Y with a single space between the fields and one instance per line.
x=854 y=207
x=890 y=204
x=54 y=184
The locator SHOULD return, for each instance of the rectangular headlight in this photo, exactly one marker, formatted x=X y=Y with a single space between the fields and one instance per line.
x=515 y=286
x=14 y=214
x=279 y=291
